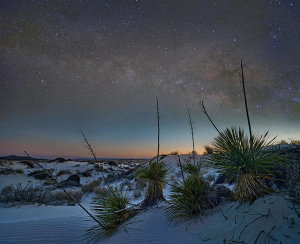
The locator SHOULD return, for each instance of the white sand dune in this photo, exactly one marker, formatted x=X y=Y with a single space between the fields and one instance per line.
x=69 y=226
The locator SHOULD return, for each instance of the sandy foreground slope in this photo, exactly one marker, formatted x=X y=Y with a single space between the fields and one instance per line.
x=271 y=219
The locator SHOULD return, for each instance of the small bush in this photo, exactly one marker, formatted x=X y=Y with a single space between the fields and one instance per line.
x=174 y=153
x=28 y=163
x=19 y=171
x=91 y=187
x=40 y=174
x=295 y=142
x=208 y=150
x=63 y=172
x=87 y=173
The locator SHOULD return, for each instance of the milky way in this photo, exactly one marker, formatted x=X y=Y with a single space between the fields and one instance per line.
x=98 y=66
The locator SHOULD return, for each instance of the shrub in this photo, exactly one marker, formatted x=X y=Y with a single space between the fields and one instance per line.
x=208 y=150
x=295 y=142
x=28 y=163
x=174 y=153
x=87 y=173
x=33 y=194
x=62 y=197
x=40 y=175
x=90 y=187
x=101 y=191
x=189 y=199
x=247 y=161
x=26 y=194
x=63 y=172
x=155 y=174
x=19 y=171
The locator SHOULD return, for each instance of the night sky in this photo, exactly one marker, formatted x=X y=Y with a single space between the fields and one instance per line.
x=98 y=66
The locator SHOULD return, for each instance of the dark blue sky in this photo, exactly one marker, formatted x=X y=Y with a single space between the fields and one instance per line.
x=98 y=66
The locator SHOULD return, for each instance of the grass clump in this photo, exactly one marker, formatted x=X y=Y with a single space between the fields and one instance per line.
x=155 y=174
x=189 y=199
x=60 y=197
x=63 y=172
x=245 y=160
x=24 y=194
x=19 y=171
x=91 y=187
x=30 y=194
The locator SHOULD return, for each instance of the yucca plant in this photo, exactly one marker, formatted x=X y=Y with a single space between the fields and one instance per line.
x=155 y=173
x=247 y=160
x=189 y=199
x=113 y=211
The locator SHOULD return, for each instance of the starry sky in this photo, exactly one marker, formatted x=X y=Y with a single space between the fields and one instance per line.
x=97 y=66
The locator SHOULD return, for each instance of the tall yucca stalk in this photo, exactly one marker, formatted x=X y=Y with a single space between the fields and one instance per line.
x=245 y=159
x=154 y=173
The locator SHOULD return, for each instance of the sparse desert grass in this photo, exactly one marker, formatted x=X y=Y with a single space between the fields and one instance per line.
x=63 y=172
x=91 y=187
x=62 y=197
x=30 y=194
x=101 y=191
x=6 y=168
x=26 y=194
